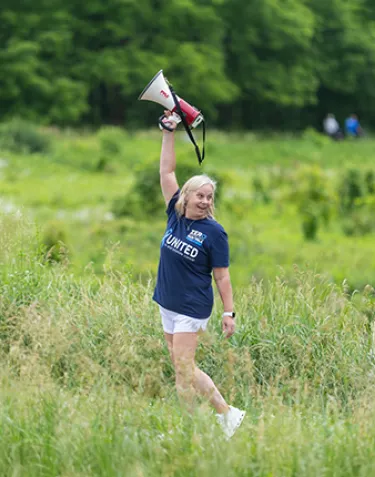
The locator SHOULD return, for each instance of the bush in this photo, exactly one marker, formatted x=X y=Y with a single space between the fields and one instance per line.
x=145 y=197
x=22 y=136
x=261 y=190
x=314 y=197
x=310 y=224
x=357 y=206
x=370 y=182
x=54 y=240
x=104 y=165
x=351 y=187
x=312 y=135
x=360 y=220
x=130 y=205
x=111 y=140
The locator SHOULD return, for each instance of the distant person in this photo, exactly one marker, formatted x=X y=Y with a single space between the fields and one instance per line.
x=332 y=127
x=353 y=127
x=193 y=249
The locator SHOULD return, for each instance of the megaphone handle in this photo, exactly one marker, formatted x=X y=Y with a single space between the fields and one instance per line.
x=164 y=125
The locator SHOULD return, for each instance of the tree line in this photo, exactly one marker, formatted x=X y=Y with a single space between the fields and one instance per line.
x=280 y=64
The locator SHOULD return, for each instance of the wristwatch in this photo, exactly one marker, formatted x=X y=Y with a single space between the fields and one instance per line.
x=229 y=313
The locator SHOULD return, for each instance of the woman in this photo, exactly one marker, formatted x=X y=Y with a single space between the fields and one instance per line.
x=193 y=247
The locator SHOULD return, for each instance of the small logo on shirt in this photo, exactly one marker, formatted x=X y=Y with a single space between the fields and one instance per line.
x=196 y=237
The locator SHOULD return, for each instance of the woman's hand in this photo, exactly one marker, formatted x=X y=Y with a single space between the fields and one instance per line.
x=229 y=326
x=169 y=121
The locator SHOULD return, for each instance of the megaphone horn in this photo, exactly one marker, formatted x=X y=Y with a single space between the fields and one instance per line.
x=160 y=91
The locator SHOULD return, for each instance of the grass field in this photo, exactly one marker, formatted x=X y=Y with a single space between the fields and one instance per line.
x=87 y=387
x=71 y=191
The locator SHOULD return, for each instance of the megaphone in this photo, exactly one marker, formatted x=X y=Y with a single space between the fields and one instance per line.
x=160 y=91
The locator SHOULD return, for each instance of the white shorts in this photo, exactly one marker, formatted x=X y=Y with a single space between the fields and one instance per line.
x=176 y=323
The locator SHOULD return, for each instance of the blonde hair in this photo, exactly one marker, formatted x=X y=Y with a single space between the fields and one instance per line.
x=193 y=184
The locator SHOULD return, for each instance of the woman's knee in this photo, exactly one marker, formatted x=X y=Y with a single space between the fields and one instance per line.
x=184 y=367
x=183 y=352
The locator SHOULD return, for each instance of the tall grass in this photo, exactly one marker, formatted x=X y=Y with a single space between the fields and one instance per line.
x=87 y=387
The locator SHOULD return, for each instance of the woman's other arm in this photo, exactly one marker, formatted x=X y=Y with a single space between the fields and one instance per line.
x=223 y=283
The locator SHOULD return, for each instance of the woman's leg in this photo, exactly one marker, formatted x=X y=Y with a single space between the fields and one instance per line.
x=182 y=347
x=189 y=378
x=169 y=340
x=206 y=387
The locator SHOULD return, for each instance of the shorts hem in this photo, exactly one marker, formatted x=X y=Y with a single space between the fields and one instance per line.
x=177 y=323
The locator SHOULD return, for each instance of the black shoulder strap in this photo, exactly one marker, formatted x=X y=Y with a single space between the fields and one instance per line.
x=187 y=128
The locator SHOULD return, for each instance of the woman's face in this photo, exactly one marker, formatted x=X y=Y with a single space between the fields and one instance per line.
x=199 y=202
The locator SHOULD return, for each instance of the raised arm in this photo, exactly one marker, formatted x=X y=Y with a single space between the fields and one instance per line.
x=168 y=181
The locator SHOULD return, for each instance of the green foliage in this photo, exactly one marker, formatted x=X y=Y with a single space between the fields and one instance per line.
x=68 y=64
x=350 y=189
x=130 y=205
x=310 y=134
x=279 y=40
x=34 y=82
x=111 y=143
x=54 y=239
x=355 y=191
x=223 y=180
x=145 y=197
x=314 y=197
x=65 y=187
x=360 y=220
x=262 y=189
x=343 y=43
x=370 y=182
x=310 y=225
x=88 y=387
x=21 y=273
x=147 y=186
x=22 y=136
x=81 y=153
x=111 y=140
x=294 y=342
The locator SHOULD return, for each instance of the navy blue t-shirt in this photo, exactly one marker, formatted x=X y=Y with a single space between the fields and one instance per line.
x=190 y=249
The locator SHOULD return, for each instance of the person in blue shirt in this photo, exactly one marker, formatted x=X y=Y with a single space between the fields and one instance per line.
x=194 y=247
x=353 y=127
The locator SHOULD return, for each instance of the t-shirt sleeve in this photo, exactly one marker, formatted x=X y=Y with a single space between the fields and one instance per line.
x=172 y=203
x=220 y=250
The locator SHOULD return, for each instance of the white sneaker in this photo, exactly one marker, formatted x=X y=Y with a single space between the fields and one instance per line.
x=230 y=421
